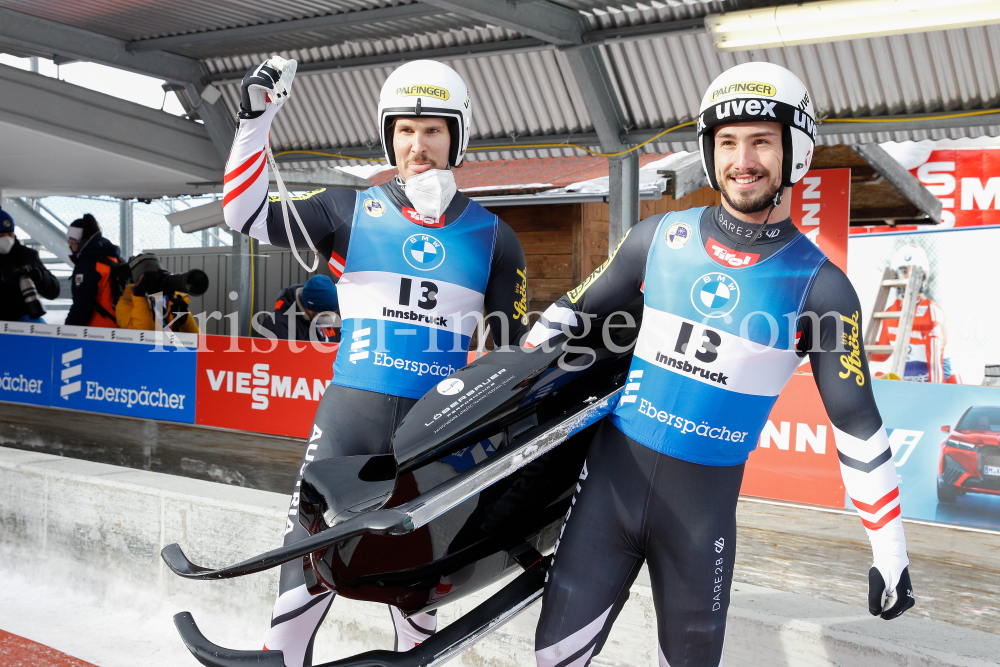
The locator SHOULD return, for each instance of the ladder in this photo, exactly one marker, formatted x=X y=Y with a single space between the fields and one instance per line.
x=911 y=292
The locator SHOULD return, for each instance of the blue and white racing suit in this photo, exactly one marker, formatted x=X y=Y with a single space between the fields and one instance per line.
x=724 y=326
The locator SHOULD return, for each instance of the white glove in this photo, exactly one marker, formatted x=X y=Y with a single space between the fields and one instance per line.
x=271 y=81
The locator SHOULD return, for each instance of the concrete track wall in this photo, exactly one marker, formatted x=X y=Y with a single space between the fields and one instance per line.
x=69 y=527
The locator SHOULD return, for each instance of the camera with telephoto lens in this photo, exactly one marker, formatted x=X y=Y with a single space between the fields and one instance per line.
x=30 y=294
x=150 y=278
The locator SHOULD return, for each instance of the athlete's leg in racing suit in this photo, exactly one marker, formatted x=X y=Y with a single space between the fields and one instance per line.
x=635 y=504
x=349 y=422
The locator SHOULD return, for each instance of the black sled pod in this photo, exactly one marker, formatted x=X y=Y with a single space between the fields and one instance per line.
x=483 y=470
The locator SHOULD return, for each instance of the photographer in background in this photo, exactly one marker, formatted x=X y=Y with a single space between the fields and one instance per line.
x=302 y=308
x=23 y=277
x=151 y=301
x=94 y=262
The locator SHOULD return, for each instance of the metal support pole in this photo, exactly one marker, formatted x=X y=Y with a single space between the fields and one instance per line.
x=125 y=227
x=240 y=281
x=623 y=196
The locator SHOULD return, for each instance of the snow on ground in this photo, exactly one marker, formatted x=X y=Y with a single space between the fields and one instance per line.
x=122 y=627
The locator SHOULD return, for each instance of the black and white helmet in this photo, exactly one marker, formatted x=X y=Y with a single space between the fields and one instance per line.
x=426 y=88
x=760 y=91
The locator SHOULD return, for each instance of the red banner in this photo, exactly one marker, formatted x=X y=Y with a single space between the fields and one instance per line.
x=244 y=384
x=966 y=180
x=796 y=458
x=821 y=209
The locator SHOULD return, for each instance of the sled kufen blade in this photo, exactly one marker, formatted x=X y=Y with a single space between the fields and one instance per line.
x=379 y=522
x=211 y=655
x=436 y=650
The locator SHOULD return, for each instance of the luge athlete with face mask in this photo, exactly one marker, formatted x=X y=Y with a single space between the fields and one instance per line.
x=733 y=297
x=415 y=262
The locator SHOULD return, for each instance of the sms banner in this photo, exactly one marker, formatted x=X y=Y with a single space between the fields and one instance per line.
x=967 y=181
x=259 y=385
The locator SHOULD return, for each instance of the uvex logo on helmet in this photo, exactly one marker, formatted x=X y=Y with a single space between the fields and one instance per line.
x=436 y=92
x=761 y=108
x=753 y=87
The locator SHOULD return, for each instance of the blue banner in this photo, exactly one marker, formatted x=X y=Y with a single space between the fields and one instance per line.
x=131 y=379
x=27 y=369
x=914 y=414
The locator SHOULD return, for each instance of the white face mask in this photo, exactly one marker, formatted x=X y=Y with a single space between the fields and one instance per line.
x=6 y=243
x=430 y=192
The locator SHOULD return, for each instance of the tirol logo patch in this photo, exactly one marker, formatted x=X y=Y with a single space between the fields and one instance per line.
x=751 y=87
x=678 y=234
x=425 y=220
x=450 y=387
x=715 y=295
x=729 y=257
x=423 y=252
x=436 y=92
x=374 y=207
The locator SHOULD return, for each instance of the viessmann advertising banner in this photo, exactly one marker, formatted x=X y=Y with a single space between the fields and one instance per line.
x=264 y=386
x=949 y=476
x=239 y=383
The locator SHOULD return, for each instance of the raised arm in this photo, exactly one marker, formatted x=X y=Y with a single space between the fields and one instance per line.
x=247 y=208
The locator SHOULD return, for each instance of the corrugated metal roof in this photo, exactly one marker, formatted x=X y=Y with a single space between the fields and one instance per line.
x=131 y=20
x=532 y=93
x=661 y=81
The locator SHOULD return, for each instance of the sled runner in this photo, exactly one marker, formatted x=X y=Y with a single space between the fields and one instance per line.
x=482 y=473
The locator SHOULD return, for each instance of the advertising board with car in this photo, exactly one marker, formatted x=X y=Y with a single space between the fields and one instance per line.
x=945 y=443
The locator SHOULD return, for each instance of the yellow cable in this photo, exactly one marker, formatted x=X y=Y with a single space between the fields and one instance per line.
x=583 y=148
x=343 y=157
x=518 y=147
x=965 y=114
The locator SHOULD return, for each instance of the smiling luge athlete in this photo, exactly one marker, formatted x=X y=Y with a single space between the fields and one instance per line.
x=732 y=302
x=414 y=261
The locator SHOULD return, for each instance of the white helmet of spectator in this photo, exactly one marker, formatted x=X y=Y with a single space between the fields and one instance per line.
x=759 y=91
x=911 y=255
x=426 y=88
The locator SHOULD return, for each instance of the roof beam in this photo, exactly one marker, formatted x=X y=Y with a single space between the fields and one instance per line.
x=904 y=181
x=543 y=20
x=521 y=45
x=627 y=33
x=77 y=44
x=68 y=41
x=98 y=121
x=598 y=92
x=341 y=20
x=565 y=28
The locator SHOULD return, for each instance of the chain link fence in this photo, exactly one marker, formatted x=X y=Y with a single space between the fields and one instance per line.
x=151 y=230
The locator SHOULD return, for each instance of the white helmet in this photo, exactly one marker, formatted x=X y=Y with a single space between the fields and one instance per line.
x=426 y=88
x=760 y=91
x=911 y=255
